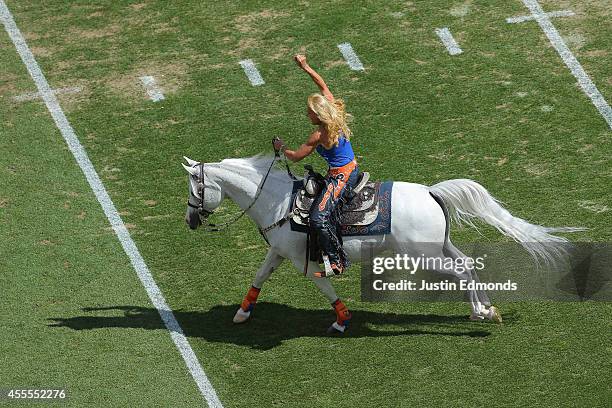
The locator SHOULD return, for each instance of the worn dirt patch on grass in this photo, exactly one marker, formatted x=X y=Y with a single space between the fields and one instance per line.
x=536 y=169
x=165 y=27
x=582 y=8
x=596 y=53
x=33 y=36
x=111 y=30
x=259 y=21
x=593 y=206
x=250 y=27
x=42 y=51
x=575 y=40
x=169 y=76
x=138 y=6
x=244 y=45
x=461 y=10
x=334 y=63
x=7 y=85
x=280 y=53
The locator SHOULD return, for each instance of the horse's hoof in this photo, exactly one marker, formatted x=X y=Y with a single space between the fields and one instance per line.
x=335 y=328
x=494 y=315
x=241 y=316
x=476 y=317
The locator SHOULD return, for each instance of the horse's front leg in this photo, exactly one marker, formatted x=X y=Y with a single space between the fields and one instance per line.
x=343 y=315
x=248 y=303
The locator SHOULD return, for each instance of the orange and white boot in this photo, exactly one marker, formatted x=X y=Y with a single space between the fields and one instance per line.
x=331 y=268
x=246 y=307
x=343 y=317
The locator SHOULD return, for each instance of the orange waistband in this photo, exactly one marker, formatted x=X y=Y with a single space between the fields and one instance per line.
x=347 y=168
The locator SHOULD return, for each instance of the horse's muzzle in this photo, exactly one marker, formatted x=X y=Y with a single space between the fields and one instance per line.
x=193 y=219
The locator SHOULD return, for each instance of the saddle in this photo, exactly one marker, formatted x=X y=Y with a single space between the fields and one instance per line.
x=358 y=207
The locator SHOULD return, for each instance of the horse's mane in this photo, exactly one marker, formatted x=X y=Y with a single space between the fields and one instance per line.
x=258 y=164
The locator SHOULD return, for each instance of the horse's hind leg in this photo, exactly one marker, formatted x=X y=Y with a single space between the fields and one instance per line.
x=481 y=305
x=452 y=251
x=248 y=303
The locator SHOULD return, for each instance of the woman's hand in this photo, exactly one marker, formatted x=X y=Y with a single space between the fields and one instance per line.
x=278 y=144
x=301 y=60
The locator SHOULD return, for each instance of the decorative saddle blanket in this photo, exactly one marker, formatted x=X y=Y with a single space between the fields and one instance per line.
x=368 y=213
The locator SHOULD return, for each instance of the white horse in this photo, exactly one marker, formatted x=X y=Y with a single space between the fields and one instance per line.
x=416 y=218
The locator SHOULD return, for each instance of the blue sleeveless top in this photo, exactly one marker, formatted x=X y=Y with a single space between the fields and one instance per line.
x=339 y=155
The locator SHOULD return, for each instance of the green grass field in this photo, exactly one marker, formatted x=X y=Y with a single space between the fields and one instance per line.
x=506 y=112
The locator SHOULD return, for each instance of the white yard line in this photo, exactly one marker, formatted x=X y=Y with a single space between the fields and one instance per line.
x=570 y=60
x=251 y=72
x=30 y=96
x=155 y=93
x=520 y=19
x=158 y=300
x=351 y=58
x=449 y=42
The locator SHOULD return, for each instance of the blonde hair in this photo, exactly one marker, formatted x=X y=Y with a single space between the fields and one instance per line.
x=333 y=115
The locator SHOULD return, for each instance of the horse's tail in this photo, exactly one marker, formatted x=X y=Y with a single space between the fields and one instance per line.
x=467 y=200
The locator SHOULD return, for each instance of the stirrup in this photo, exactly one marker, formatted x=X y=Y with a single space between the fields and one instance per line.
x=331 y=269
x=328 y=268
x=365 y=177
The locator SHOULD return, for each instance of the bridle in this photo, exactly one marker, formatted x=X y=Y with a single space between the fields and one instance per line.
x=203 y=213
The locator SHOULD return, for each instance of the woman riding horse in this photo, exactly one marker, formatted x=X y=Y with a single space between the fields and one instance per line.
x=331 y=141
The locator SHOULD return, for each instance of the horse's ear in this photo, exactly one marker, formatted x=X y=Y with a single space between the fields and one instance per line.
x=189 y=161
x=191 y=170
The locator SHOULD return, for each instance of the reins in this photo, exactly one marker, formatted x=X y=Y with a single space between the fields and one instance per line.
x=203 y=213
x=220 y=227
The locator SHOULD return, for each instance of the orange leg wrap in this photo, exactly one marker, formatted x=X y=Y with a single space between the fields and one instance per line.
x=250 y=299
x=343 y=315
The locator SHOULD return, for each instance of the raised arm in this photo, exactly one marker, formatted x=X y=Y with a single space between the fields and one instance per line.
x=302 y=151
x=318 y=80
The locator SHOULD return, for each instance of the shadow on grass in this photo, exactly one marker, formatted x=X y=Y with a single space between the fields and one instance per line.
x=273 y=323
